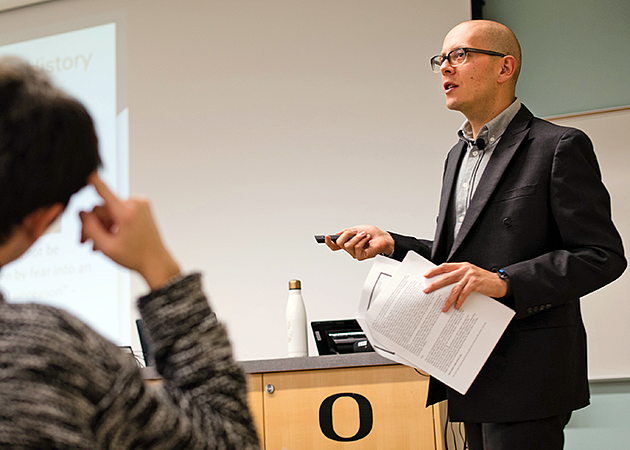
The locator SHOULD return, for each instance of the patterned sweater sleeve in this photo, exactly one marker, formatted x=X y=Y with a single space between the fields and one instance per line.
x=203 y=403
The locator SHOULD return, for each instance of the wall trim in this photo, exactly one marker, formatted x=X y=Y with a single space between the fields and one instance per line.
x=589 y=113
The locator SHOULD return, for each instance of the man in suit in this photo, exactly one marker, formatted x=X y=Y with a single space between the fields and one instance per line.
x=523 y=218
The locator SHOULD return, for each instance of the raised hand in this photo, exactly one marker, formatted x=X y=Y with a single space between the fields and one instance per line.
x=124 y=230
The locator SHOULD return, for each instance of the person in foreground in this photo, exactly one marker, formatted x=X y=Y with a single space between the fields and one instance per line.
x=524 y=218
x=62 y=385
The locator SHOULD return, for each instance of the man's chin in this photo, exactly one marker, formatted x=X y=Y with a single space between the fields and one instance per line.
x=452 y=105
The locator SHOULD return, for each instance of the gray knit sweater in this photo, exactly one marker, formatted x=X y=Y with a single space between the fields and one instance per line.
x=63 y=386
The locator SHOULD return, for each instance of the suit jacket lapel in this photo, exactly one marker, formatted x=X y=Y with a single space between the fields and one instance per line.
x=501 y=157
x=452 y=163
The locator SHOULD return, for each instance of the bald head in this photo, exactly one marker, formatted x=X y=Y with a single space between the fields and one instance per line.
x=483 y=85
x=493 y=36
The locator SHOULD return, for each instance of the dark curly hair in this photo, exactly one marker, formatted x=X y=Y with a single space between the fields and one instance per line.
x=48 y=145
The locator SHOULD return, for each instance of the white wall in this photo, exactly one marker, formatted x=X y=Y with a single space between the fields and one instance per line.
x=269 y=122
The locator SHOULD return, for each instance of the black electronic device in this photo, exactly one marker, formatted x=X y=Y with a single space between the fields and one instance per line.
x=334 y=337
x=321 y=238
x=148 y=351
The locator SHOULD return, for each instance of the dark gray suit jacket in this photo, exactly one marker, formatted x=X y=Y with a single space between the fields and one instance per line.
x=542 y=214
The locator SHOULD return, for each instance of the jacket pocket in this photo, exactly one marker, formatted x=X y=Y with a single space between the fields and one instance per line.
x=522 y=191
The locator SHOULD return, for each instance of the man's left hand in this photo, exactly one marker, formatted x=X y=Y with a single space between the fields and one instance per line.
x=468 y=278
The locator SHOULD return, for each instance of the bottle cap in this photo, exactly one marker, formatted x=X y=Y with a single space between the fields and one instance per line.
x=295 y=284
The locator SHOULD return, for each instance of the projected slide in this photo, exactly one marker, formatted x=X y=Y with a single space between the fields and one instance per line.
x=58 y=270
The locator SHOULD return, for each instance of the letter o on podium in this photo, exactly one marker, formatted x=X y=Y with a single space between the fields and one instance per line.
x=365 y=417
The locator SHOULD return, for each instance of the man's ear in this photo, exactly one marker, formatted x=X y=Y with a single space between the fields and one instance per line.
x=508 y=68
x=37 y=222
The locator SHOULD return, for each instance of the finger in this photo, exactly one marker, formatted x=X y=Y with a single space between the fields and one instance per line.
x=345 y=236
x=461 y=298
x=354 y=245
x=356 y=239
x=82 y=217
x=103 y=215
x=442 y=268
x=93 y=230
x=363 y=248
x=331 y=245
x=105 y=192
x=440 y=282
x=452 y=298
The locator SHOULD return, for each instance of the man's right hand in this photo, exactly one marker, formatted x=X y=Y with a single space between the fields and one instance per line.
x=363 y=242
x=125 y=231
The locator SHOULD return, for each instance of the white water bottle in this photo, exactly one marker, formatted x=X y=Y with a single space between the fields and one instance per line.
x=296 y=321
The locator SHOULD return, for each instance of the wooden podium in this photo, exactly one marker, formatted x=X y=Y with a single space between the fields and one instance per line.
x=356 y=401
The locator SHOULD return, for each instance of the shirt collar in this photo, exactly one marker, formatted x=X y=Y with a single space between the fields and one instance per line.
x=493 y=130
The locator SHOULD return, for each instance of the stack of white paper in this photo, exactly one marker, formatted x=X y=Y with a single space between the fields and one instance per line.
x=408 y=326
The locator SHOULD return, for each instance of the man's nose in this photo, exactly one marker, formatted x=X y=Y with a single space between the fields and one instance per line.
x=446 y=67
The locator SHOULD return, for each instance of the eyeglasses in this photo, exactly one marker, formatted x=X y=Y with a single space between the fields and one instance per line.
x=458 y=57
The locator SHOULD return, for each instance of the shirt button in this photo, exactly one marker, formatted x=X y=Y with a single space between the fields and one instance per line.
x=474 y=153
x=492 y=139
x=464 y=184
x=460 y=218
